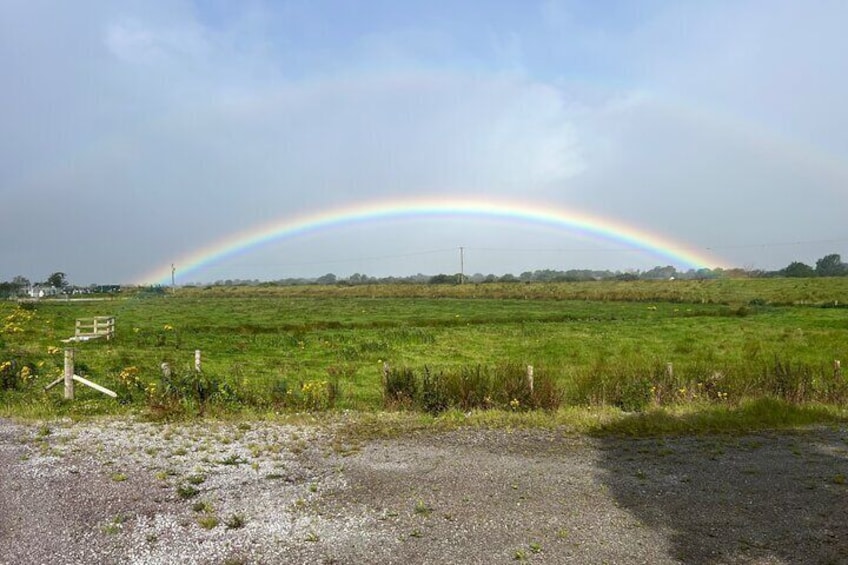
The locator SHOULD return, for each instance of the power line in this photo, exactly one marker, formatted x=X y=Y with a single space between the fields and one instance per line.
x=462 y=249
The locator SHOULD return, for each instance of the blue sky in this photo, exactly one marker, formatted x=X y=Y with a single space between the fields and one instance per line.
x=135 y=133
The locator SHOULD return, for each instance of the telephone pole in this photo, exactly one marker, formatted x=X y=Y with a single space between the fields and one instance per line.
x=461 y=265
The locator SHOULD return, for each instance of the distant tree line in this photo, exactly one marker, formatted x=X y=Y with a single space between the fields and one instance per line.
x=828 y=266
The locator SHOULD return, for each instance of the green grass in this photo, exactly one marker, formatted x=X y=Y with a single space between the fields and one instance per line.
x=606 y=345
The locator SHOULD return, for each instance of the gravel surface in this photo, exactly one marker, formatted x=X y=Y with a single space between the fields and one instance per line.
x=113 y=491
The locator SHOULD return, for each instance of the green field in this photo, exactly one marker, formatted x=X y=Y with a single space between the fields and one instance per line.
x=604 y=344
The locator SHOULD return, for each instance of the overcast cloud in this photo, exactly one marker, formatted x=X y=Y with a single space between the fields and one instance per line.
x=136 y=133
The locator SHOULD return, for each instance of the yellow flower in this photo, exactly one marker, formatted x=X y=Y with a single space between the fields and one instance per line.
x=168 y=327
x=129 y=375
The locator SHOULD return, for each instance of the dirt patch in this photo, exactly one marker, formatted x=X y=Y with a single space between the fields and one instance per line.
x=132 y=492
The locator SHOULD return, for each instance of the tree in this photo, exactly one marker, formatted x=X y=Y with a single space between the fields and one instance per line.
x=443 y=279
x=798 y=269
x=57 y=280
x=831 y=266
x=660 y=273
x=329 y=278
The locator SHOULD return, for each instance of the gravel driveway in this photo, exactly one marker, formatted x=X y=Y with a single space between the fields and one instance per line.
x=112 y=491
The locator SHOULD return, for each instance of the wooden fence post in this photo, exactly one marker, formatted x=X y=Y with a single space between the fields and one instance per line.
x=69 y=374
x=197 y=360
x=386 y=370
x=166 y=370
x=530 y=378
x=837 y=368
x=669 y=370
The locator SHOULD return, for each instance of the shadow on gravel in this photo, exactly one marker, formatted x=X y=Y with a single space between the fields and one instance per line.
x=767 y=497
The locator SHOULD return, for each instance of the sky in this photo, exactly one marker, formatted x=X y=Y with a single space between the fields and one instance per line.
x=134 y=135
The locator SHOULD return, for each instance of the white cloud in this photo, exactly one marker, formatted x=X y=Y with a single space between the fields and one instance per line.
x=711 y=122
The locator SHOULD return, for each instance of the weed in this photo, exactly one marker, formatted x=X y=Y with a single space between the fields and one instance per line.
x=202 y=506
x=235 y=521
x=422 y=508
x=118 y=477
x=187 y=491
x=233 y=459
x=114 y=526
x=197 y=479
x=207 y=522
x=312 y=537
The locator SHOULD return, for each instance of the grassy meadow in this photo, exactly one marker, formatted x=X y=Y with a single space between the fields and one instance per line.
x=629 y=347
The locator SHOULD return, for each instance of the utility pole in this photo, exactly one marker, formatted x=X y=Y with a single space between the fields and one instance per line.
x=461 y=265
x=173 y=277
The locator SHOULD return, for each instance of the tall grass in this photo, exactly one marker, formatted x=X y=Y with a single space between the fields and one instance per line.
x=506 y=387
x=464 y=348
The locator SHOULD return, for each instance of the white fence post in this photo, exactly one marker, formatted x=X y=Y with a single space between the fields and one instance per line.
x=530 y=377
x=197 y=360
x=69 y=374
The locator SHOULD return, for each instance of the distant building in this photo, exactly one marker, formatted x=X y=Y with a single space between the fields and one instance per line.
x=42 y=291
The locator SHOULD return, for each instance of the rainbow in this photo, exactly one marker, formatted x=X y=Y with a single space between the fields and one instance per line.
x=540 y=215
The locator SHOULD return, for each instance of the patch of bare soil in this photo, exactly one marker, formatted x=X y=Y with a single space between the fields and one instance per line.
x=132 y=492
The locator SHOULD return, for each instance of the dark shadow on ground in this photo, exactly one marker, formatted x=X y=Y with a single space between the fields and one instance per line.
x=773 y=497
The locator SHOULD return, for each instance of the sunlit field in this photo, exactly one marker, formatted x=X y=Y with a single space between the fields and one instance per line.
x=629 y=346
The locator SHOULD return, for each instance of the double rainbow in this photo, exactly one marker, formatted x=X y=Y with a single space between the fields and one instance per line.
x=674 y=252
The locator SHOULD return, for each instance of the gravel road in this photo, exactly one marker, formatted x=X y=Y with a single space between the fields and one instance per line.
x=113 y=491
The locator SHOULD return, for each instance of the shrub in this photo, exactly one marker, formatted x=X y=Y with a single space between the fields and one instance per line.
x=310 y=395
x=8 y=375
x=471 y=388
x=434 y=397
x=399 y=388
x=191 y=390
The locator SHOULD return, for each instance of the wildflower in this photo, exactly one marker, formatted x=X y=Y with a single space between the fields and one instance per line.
x=129 y=375
x=168 y=327
x=53 y=350
x=514 y=404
